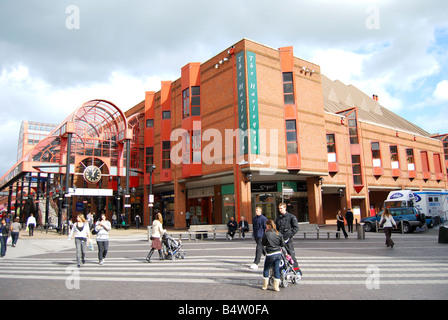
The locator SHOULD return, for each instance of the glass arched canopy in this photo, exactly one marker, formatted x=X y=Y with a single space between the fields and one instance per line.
x=98 y=129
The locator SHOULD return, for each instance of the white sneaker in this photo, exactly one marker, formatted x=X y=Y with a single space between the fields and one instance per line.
x=254 y=266
x=101 y=262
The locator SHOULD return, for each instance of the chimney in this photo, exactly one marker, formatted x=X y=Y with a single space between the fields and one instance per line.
x=375 y=97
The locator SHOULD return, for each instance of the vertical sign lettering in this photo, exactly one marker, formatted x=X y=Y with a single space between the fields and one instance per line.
x=253 y=103
x=242 y=108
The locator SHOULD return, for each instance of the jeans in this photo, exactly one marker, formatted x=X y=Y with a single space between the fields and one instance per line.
x=258 y=250
x=103 y=247
x=3 y=240
x=80 y=244
x=275 y=260
x=15 y=237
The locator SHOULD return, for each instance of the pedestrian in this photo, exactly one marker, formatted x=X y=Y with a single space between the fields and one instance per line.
x=187 y=218
x=259 y=226
x=243 y=226
x=102 y=227
x=137 y=221
x=114 y=219
x=157 y=232
x=5 y=232
x=387 y=222
x=30 y=224
x=90 y=220
x=15 y=230
x=340 y=224
x=349 y=220
x=288 y=226
x=82 y=235
x=273 y=241
x=232 y=226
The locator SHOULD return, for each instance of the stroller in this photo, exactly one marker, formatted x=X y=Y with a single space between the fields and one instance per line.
x=172 y=248
x=287 y=271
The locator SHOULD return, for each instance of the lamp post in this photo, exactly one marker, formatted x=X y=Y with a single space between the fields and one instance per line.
x=151 y=196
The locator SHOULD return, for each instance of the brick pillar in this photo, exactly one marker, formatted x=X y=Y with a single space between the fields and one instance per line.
x=315 y=200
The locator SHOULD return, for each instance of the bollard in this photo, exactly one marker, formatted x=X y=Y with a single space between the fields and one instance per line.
x=149 y=232
x=361 y=231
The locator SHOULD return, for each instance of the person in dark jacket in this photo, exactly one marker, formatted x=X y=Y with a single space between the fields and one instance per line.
x=349 y=219
x=232 y=226
x=273 y=241
x=259 y=226
x=5 y=231
x=288 y=226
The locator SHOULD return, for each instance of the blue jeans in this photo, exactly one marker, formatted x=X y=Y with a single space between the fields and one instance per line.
x=272 y=260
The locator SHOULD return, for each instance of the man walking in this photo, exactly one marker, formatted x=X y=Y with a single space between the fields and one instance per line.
x=288 y=226
x=259 y=226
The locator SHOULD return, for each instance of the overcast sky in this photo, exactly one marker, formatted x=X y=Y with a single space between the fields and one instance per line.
x=57 y=54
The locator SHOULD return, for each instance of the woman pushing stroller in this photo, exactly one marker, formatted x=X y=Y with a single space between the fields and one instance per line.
x=273 y=241
x=157 y=232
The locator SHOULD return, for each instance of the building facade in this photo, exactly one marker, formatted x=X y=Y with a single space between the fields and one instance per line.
x=252 y=126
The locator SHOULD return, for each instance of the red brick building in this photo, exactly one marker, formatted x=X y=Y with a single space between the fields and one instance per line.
x=252 y=126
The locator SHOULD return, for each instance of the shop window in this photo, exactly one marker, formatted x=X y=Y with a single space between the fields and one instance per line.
x=288 y=88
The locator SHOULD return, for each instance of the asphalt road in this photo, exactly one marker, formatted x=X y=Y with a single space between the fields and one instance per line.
x=44 y=268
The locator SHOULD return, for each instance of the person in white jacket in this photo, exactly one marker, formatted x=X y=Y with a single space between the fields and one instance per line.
x=387 y=221
x=102 y=227
x=157 y=232
x=81 y=227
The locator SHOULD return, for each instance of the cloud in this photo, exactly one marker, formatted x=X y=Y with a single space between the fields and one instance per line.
x=441 y=92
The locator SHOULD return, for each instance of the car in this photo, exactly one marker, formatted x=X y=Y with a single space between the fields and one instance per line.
x=408 y=217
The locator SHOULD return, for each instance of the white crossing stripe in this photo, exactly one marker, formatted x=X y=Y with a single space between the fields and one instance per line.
x=229 y=269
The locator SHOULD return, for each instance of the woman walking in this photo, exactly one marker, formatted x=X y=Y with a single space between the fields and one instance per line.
x=273 y=241
x=387 y=221
x=157 y=231
x=102 y=228
x=15 y=230
x=4 y=234
x=81 y=227
x=340 y=224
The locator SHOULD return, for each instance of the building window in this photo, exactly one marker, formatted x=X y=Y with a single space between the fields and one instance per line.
x=437 y=163
x=149 y=123
x=288 y=88
x=196 y=146
x=410 y=159
x=376 y=154
x=356 y=167
x=395 y=164
x=166 y=114
x=186 y=103
x=291 y=136
x=149 y=158
x=331 y=148
x=195 y=101
x=166 y=149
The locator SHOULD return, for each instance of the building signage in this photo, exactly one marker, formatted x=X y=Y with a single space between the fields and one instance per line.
x=253 y=102
x=242 y=107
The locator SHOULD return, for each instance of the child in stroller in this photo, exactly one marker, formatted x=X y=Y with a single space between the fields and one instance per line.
x=287 y=271
x=172 y=248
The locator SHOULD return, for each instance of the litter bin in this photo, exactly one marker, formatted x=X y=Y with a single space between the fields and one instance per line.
x=443 y=234
x=361 y=232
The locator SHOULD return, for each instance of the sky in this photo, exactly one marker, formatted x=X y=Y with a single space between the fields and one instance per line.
x=57 y=54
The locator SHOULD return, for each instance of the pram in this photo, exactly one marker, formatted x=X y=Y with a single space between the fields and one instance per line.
x=287 y=271
x=172 y=248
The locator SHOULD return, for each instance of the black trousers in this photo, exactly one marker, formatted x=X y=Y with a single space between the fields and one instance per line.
x=258 y=250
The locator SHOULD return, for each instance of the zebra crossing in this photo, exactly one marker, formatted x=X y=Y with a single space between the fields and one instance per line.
x=215 y=265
